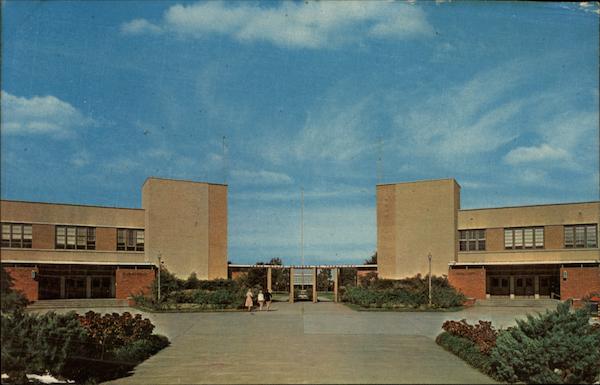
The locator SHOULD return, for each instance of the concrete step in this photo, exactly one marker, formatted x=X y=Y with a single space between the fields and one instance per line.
x=518 y=302
x=78 y=303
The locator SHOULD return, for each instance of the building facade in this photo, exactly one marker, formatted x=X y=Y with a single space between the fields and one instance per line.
x=539 y=251
x=57 y=251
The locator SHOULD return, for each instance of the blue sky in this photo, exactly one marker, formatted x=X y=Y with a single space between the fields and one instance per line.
x=331 y=97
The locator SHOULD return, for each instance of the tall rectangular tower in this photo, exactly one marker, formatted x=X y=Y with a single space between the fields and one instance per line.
x=413 y=220
x=186 y=224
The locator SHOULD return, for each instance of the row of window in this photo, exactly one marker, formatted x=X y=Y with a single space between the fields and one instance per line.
x=524 y=238
x=70 y=237
x=577 y=236
x=16 y=235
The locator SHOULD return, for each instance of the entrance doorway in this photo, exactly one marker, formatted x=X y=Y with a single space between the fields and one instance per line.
x=76 y=281
x=524 y=286
x=525 y=281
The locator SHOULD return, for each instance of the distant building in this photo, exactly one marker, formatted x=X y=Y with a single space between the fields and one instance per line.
x=73 y=251
x=527 y=251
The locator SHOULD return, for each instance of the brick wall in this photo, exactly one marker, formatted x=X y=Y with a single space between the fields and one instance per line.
x=133 y=281
x=471 y=282
x=22 y=281
x=580 y=282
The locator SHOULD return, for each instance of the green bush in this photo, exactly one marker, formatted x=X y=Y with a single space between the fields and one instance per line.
x=140 y=350
x=409 y=292
x=10 y=300
x=111 y=331
x=88 y=348
x=466 y=350
x=40 y=343
x=223 y=298
x=555 y=347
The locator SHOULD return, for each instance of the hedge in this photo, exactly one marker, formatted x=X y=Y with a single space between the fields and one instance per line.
x=466 y=350
x=410 y=292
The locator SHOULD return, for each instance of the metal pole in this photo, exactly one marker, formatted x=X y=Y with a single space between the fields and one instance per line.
x=302 y=232
x=429 y=258
x=159 y=266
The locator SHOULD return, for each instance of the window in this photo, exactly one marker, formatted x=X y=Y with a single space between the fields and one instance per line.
x=17 y=235
x=76 y=237
x=471 y=240
x=581 y=236
x=130 y=240
x=524 y=238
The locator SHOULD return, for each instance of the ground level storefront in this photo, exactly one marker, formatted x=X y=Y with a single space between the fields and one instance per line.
x=71 y=281
x=556 y=281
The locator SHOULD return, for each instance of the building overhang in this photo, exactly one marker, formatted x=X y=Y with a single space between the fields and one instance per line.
x=34 y=262
x=508 y=263
x=305 y=266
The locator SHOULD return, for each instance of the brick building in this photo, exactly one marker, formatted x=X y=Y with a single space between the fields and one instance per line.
x=527 y=251
x=73 y=251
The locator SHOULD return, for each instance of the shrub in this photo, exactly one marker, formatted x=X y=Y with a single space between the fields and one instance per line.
x=110 y=331
x=555 y=347
x=466 y=350
x=140 y=350
x=40 y=343
x=483 y=334
x=411 y=292
x=10 y=300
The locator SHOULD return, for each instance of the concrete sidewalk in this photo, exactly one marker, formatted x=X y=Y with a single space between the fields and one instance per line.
x=310 y=343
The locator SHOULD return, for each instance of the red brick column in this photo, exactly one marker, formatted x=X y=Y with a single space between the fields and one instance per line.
x=133 y=281
x=23 y=282
x=471 y=282
x=580 y=282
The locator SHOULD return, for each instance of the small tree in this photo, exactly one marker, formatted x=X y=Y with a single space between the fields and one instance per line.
x=556 y=347
x=372 y=260
x=347 y=276
x=324 y=280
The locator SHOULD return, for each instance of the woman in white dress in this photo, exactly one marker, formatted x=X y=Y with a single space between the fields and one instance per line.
x=249 y=301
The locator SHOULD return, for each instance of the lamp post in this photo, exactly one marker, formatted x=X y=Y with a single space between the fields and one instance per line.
x=429 y=258
x=159 y=266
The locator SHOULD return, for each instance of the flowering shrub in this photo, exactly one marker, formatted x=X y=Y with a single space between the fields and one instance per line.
x=482 y=334
x=111 y=331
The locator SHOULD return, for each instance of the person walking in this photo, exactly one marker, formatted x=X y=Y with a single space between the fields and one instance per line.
x=268 y=298
x=261 y=300
x=249 y=300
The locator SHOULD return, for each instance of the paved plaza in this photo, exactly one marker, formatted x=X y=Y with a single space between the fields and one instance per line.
x=309 y=343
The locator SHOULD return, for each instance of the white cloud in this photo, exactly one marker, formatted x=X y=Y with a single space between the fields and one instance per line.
x=466 y=120
x=541 y=153
x=140 y=27
x=260 y=177
x=289 y=24
x=40 y=115
x=81 y=158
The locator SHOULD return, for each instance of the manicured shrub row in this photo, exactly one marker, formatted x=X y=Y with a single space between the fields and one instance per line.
x=557 y=347
x=466 y=350
x=483 y=334
x=178 y=294
x=405 y=293
x=82 y=348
